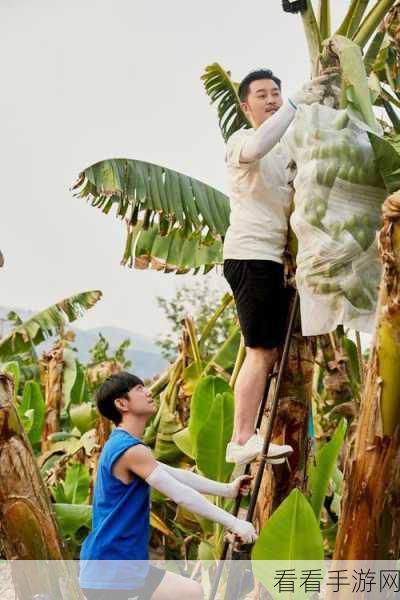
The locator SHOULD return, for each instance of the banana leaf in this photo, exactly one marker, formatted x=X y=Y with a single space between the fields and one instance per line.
x=224 y=93
x=32 y=400
x=355 y=80
x=291 y=534
x=46 y=323
x=387 y=156
x=142 y=191
x=325 y=462
x=203 y=399
x=173 y=252
x=213 y=438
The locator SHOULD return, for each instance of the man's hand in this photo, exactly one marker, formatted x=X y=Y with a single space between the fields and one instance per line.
x=240 y=484
x=313 y=91
x=244 y=531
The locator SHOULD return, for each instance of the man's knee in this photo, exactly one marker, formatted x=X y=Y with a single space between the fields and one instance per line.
x=266 y=354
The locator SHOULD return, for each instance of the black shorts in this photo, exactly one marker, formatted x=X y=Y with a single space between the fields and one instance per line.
x=262 y=300
x=152 y=581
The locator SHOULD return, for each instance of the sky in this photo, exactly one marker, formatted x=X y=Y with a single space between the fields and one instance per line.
x=86 y=80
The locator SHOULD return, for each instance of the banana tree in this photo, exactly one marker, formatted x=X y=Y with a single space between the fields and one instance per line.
x=372 y=471
x=28 y=528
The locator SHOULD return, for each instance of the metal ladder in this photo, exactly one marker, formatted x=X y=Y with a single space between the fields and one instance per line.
x=233 y=589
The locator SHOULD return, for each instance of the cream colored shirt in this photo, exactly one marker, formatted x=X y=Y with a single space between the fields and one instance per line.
x=260 y=200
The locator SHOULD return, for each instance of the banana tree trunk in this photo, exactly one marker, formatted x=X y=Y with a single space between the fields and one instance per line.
x=51 y=367
x=28 y=528
x=291 y=427
x=369 y=527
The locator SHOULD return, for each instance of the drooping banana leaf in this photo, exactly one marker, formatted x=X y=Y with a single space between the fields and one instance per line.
x=223 y=92
x=156 y=195
x=174 y=252
x=46 y=323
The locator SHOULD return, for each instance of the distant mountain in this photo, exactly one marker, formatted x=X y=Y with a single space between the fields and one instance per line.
x=145 y=355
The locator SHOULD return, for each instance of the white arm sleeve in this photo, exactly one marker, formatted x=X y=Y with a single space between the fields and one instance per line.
x=201 y=484
x=190 y=499
x=267 y=135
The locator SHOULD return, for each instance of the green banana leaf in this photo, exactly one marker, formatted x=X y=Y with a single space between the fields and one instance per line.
x=222 y=91
x=75 y=521
x=184 y=442
x=387 y=156
x=213 y=438
x=355 y=80
x=202 y=402
x=165 y=448
x=226 y=354
x=140 y=190
x=32 y=400
x=325 y=462
x=291 y=534
x=75 y=488
x=174 y=252
x=79 y=393
x=46 y=323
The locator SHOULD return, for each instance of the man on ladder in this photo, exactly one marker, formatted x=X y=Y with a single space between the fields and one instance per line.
x=260 y=200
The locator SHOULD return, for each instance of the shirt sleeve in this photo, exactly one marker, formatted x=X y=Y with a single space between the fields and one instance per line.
x=252 y=145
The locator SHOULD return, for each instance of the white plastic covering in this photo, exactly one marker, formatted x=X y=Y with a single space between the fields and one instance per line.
x=336 y=218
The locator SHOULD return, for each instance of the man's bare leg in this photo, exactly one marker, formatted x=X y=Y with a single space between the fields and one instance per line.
x=249 y=390
x=175 y=586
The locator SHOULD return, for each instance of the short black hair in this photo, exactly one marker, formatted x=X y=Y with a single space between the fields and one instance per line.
x=255 y=76
x=115 y=386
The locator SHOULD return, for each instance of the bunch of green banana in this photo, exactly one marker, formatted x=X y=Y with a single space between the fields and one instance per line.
x=339 y=193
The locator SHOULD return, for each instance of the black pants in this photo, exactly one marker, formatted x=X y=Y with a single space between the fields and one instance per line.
x=261 y=298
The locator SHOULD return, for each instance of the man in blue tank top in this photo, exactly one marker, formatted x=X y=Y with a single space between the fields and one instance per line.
x=114 y=556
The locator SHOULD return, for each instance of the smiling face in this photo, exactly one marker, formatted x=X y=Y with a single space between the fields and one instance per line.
x=263 y=100
x=138 y=402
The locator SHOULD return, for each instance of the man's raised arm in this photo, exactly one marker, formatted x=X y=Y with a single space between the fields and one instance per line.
x=271 y=131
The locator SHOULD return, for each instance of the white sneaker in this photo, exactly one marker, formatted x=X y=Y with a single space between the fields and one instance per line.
x=235 y=453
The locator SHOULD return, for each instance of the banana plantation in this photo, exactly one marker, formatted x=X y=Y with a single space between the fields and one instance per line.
x=338 y=495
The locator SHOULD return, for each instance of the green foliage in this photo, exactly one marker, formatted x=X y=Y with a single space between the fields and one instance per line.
x=387 y=156
x=210 y=458
x=175 y=252
x=199 y=301
x=101 y=352
x=354 y=80
x=75 y=488
x=46 y=323
x=321 y=473
x=223 y=92
x=12 y=368
x=75 y=522
x=142 y=191
x=31 y=410
x=291 y=533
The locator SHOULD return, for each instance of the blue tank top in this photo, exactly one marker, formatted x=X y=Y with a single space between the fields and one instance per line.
x=120 y=524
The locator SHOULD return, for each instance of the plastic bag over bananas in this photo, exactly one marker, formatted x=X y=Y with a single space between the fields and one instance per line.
x=337 y=214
